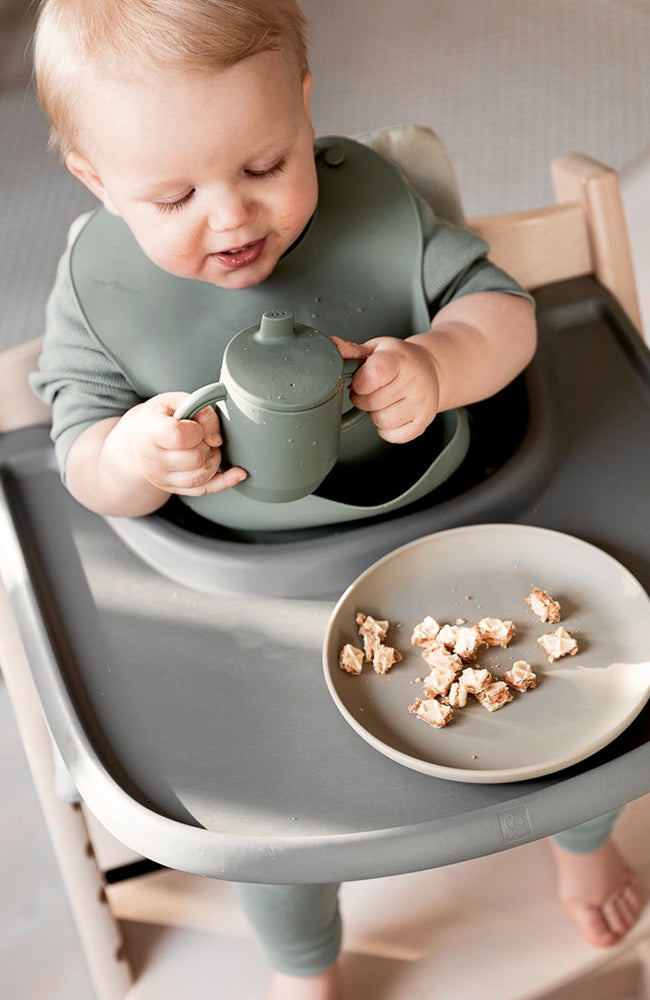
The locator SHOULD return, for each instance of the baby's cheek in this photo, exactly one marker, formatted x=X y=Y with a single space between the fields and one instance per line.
x=176 y=258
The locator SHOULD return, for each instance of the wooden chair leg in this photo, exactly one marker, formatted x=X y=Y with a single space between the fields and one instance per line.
x=98 y=930
x=642 y=955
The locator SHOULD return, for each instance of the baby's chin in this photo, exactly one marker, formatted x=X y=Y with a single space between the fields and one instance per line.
x=237 y=280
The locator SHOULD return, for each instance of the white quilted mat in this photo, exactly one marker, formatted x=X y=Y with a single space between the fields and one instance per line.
x=507 y=84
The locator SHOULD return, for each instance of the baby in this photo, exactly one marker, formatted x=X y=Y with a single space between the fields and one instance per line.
x=190 y=122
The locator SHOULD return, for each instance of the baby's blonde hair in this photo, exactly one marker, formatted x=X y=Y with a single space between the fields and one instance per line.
x=122 y=36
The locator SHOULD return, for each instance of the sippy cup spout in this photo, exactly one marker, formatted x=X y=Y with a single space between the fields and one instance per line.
x=276 y=324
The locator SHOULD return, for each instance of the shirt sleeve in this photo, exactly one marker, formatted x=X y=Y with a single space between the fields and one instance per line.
x=455 y=263
x=76 y=378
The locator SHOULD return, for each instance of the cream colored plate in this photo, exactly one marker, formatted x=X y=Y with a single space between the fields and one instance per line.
x=581 y=703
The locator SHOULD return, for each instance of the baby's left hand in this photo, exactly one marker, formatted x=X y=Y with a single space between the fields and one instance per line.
x=397 y=384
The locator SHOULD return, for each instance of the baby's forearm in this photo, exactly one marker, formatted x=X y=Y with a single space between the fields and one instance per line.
x=100 y=475
x=479 y=343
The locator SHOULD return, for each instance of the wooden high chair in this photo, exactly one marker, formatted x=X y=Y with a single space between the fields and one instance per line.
x=583 y=234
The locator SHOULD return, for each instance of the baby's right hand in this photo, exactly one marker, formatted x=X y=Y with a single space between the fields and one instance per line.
x=178 y=456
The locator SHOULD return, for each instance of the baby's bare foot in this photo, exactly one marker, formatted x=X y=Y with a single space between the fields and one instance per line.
x=598 y=891
x=326 y=986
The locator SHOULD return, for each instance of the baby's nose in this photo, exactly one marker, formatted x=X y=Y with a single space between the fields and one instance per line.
x=230 y=212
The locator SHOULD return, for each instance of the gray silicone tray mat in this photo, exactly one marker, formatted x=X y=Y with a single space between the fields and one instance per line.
x=199 y=729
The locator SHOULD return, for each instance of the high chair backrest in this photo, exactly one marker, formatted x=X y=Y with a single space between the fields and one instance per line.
x=584 y=233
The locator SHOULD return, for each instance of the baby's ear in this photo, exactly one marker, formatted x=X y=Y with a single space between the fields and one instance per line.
x=307 y=81
x=83 y=170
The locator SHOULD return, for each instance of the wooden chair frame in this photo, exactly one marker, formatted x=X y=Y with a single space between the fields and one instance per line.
x=584 y=233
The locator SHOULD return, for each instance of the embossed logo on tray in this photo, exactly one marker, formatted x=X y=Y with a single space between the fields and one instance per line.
x=515 y=824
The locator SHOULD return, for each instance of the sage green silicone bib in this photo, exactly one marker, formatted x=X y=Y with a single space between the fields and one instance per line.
x=355 y=272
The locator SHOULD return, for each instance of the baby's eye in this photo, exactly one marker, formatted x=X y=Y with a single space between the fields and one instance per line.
x=170 y=206
x=273 y=171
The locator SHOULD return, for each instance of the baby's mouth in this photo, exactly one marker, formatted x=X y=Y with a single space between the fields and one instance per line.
x=241 y=256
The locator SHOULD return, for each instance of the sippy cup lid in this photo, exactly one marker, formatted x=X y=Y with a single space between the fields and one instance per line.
x=282 y=365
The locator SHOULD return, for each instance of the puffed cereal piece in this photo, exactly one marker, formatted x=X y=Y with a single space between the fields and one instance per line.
x=384 y=658
x=457 y=694
x=476 y=680
x=439 y=681
x=372 y=633
x=351 y=659
x=447 y=636
x=432 y=711
x=468 y=642
x=439 y=656
x=543 y=605
x=494 y=696
x=425 y=631
x=558 y=644
x=521 y=676
x=496 y=631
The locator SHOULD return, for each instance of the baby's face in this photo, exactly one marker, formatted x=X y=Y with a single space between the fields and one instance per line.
x=213 y=172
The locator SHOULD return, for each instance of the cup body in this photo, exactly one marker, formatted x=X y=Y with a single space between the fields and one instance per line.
x=286 y=454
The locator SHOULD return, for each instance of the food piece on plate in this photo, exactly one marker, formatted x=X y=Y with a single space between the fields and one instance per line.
x=496 y=631
x=372 y=633
x=476 y=680
x=351 y=659
x=425 y=631
x=384 y=658
x=457 y=694
x=557 y=644
x=439 y=680
x=521 y=676
x=543 y=605
x=432 y=711
x=494 y=696
x=439 y=656
x=447 y=636
x=468 y=642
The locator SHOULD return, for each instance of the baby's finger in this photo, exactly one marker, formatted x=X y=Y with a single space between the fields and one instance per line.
x=400 y=422
x=393 y=415
x=178 y=435
x=380 y=369
x=379 y=399
x=350 y=350
x=190 y=459
x=209 y=421
x=224 y=480
x=400 y=434
x=218 y=482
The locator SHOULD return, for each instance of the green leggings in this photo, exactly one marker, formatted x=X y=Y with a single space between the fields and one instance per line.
x=299 y=926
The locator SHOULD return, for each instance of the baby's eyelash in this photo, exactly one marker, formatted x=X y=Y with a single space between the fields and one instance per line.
x=271 y=172
x=171 y=206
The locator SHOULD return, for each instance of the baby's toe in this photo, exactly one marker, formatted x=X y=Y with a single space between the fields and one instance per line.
x=621 y=910
x=593 y=925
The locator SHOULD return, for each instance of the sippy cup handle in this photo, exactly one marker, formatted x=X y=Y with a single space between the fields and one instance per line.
x=204 y=396
x=353 y=416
